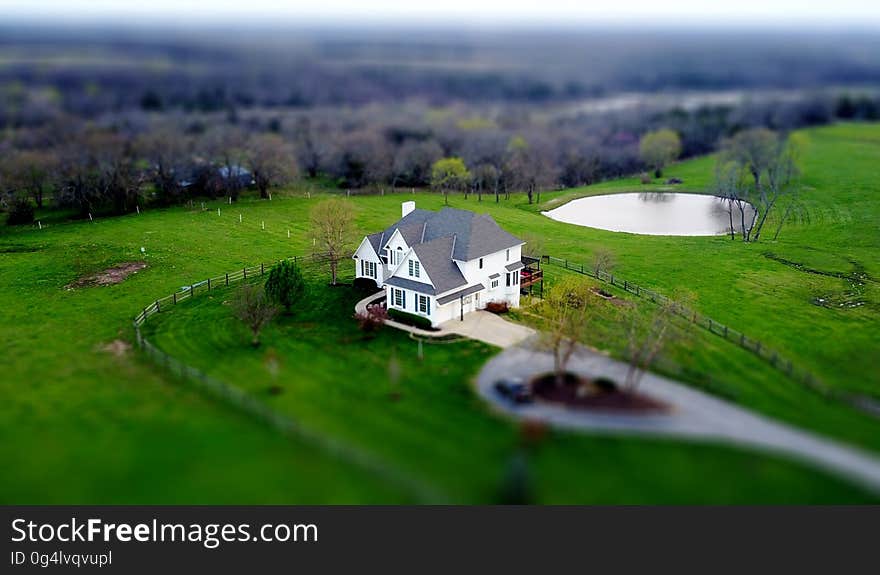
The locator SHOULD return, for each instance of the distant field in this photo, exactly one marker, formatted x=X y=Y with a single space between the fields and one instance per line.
x=118 y=430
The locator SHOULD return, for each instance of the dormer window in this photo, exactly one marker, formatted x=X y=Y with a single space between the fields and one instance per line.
x=481 y=263
x=414 y=269
x=396 y=256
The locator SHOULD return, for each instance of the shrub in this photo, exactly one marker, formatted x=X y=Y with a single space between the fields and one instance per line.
x=21 y=211
x=285 y=284
x=365 y=285
x=372 y=319
x=498 y=307
x=410 y=319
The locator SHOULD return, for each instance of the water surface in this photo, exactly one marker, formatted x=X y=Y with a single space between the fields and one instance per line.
x=655 y=213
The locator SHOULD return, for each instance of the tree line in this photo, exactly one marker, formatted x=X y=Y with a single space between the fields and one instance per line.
x=134 y=158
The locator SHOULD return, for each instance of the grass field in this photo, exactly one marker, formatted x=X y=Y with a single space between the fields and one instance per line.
x=86 y=425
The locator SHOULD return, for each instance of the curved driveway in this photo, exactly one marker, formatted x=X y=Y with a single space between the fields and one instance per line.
x=695 y=415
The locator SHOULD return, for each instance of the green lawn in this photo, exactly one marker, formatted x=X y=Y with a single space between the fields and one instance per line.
x=86 y=426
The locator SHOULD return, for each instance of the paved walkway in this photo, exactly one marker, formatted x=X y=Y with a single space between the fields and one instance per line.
x=695 y=415
x=479 y=325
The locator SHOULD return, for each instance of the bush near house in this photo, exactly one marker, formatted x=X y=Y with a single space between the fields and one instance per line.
x=372 y=319
x=410 y=319
x=497 y=307
x=365 y=285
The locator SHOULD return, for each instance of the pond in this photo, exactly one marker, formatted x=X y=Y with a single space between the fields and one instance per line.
x=656 y=214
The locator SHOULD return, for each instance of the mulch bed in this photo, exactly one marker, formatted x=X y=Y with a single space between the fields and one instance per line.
x=110 y=276
x=599 y=394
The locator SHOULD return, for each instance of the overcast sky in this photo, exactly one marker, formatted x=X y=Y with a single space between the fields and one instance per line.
x=469 y=12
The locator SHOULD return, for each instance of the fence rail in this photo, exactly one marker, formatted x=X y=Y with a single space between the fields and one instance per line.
x=755 y=346
x=252 y=405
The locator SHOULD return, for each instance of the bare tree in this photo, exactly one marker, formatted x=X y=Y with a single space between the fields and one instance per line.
x=603 y=261
x=271 y=160
x=332 y=224
x=731 y=186
x=781 y=180
x=253 y=307
x=530 y=165
x=32 y=172
x=646 y=342
x=413 y=161
x=225 y=146
x=169 y=154
x=568 y=311
x=753 y=149
x=772 y=164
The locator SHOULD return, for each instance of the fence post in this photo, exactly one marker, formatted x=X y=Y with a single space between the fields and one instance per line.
x=209 y=284
x=244 y=273
x=262 y=270
x=710 y=323
x=725 y=332
x=190 y=290
x=612 y=278
x=566 y=264
x=157 y=307
x=227 y=280
x=625 y=287
x=174 y=298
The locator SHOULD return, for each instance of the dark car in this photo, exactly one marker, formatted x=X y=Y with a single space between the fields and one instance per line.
x=514 y=389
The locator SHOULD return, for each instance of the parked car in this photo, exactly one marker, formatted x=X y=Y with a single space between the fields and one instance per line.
x=514 y=389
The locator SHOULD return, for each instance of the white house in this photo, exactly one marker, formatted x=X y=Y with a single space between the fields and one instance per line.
x=444 y=264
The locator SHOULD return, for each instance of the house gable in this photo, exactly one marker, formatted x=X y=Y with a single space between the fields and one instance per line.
x=366 y=251
x=412 y=268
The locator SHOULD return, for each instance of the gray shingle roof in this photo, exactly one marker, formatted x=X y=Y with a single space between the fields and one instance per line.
x=404 y=283
x=461 y=293
x=477 y=235
x=376 y=241
x=417 y=216
x=436 y=259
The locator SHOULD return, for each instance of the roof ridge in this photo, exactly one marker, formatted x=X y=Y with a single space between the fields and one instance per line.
x=452 y=253
x=424 y=228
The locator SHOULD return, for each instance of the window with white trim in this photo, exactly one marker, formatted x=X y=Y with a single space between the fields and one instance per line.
x=494 y=283
x=481 y=263
x=507 y=279
x=399 y=297
x=371 y=269
x=424 y=304
x=508 y=255
x=414 y=269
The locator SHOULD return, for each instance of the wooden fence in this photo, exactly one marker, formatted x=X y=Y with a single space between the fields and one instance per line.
x=755 y=346
x=251 y=404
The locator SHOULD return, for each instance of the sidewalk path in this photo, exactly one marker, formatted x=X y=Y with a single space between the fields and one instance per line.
x=479 y=325
x=695 y=415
